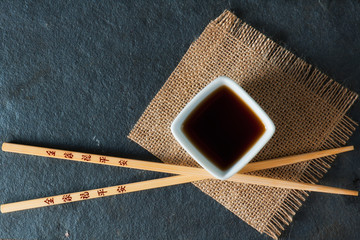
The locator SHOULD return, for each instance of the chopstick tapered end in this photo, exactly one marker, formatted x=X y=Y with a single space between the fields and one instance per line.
x=350 y=192
x=7 y=147
x=351 y=148
x=3 y=147
x=2 y=210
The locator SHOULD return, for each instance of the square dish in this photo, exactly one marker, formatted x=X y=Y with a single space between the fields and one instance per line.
x=222 y=128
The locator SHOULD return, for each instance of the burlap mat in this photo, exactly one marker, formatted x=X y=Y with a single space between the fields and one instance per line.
x=307 y=107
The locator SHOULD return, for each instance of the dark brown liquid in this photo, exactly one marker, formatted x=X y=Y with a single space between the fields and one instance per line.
x=223 y=127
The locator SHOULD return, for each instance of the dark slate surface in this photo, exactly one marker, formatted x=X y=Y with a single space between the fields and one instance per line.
x=78 y=75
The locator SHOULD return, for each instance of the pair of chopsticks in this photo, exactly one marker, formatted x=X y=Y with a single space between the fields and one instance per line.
x=185 y=175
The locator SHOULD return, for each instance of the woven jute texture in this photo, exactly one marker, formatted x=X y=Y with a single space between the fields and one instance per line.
x=307 y=107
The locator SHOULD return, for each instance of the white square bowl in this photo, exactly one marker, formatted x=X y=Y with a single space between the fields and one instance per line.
x=176 y=128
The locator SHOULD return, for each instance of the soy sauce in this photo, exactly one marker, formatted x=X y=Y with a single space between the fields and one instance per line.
x=223 y=127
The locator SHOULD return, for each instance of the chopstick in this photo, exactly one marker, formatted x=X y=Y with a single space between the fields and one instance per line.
x=193 y=175
x=163 y=167
x=161 y=182
x=97 y=193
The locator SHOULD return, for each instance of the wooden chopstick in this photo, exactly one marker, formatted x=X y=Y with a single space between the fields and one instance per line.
x=282 y=161
x=162 y=182
x=97 y=193
x=162 y=167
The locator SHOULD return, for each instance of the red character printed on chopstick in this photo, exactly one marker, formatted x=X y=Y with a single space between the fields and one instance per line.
x=86 y=157
x=121 y=189
x=123 y=162
x=67 y=198
x=68 y=155
x=49 y=201
x=84 y=195
x=51 y=153
x=101 y=192
x=103 y=159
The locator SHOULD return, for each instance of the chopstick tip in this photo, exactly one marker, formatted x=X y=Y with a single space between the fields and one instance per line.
x=3 y=146
x=352 y=193
x=2 y=208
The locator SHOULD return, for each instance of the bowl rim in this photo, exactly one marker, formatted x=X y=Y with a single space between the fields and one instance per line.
x=176 y=128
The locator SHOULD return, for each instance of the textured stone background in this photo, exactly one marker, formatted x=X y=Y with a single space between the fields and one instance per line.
x=78 y=75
